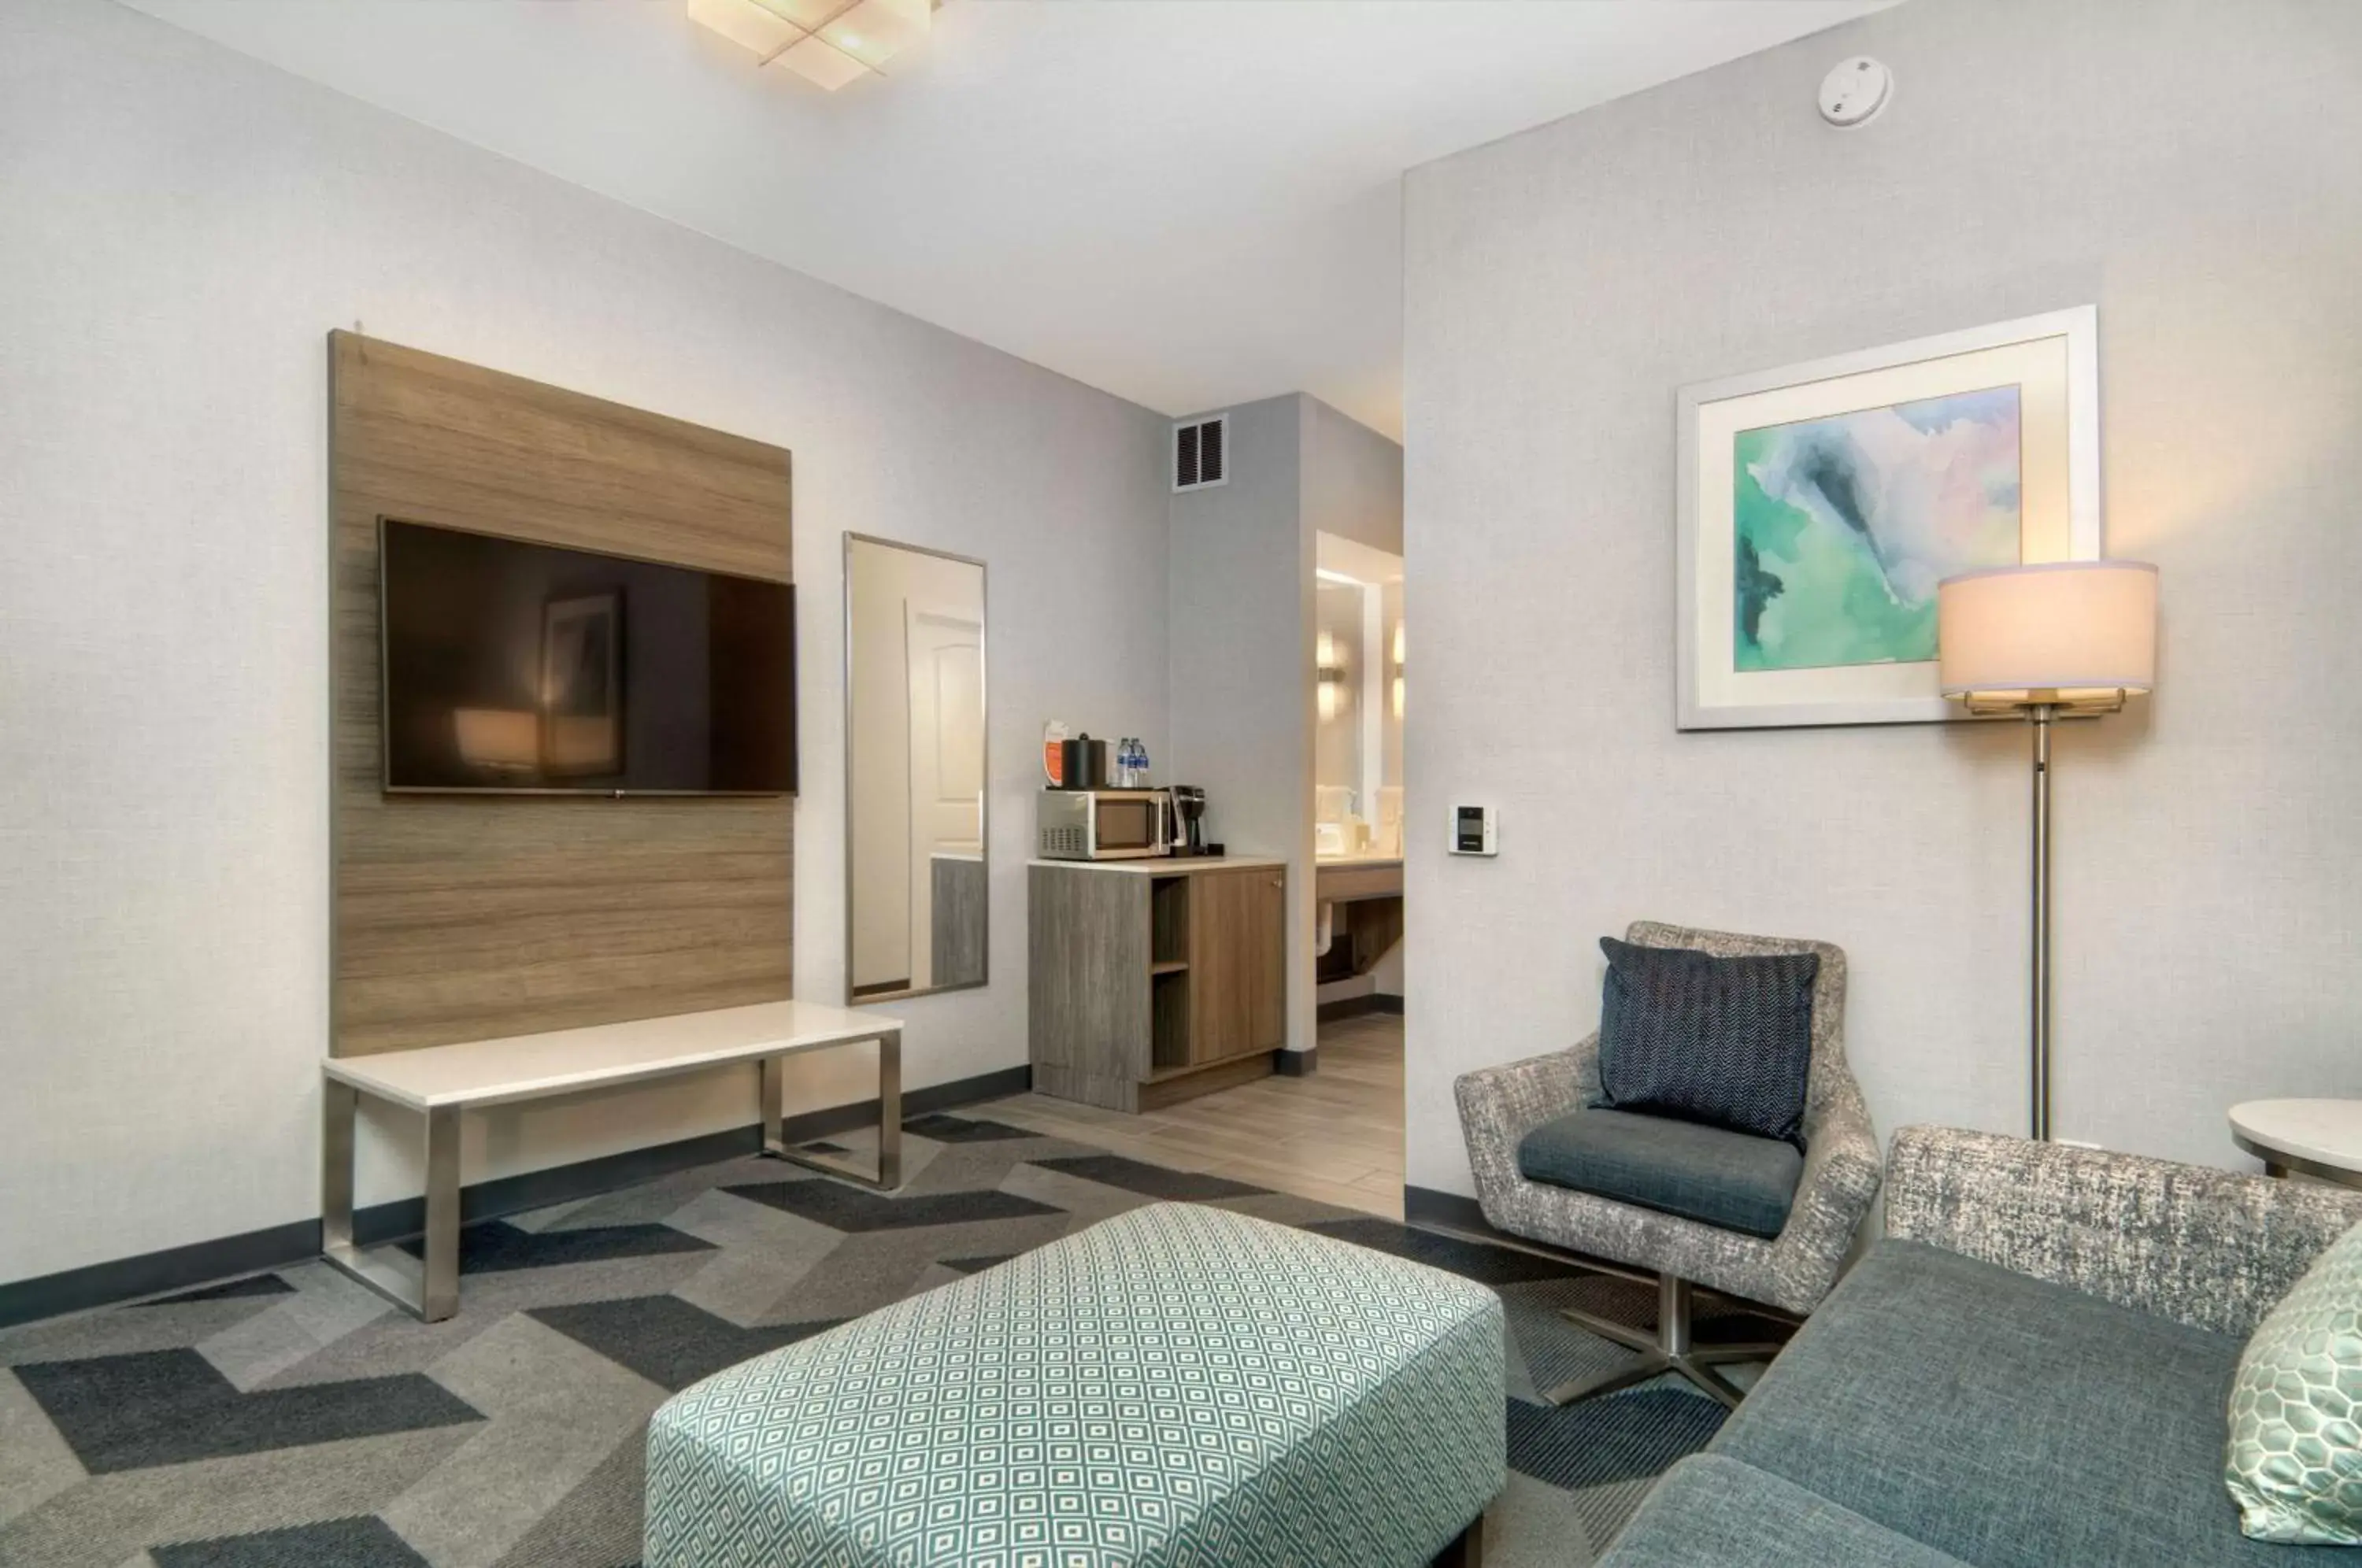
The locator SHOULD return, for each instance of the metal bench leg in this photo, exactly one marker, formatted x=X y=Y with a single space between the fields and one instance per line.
x=439 y=1294
x=888 y=1174
x=338 y=1106
x=429 y=1287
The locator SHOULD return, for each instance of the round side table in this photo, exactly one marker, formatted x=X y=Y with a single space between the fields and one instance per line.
x=2319 y=1137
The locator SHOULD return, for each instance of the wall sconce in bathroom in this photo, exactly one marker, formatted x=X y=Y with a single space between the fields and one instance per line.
x=1330 y=672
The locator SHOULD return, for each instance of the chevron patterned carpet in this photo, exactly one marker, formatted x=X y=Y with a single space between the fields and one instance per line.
x=293 y=1419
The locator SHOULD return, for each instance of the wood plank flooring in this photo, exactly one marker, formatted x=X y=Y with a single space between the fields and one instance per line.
x=1336 y=1136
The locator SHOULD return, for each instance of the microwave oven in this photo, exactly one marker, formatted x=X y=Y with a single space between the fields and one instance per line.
x=1101 y=824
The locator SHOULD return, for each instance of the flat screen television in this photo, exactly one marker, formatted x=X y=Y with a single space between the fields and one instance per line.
x=527 y=668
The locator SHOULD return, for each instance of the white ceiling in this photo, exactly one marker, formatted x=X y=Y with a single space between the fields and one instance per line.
x=1188 y=203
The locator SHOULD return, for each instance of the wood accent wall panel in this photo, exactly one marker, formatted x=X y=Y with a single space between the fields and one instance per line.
x=462 y=917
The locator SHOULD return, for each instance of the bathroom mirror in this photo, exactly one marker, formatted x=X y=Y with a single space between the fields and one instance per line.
x=914 y=763
x=1358 y=667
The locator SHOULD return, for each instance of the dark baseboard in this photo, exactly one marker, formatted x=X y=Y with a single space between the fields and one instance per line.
x=1355 y=1007
x=1296 y=1064
x=200 y=1263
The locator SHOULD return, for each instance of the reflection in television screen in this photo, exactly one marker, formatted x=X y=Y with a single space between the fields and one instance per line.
x=524 y=667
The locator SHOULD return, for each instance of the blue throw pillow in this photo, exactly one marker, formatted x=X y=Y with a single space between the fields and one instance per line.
x=1727 y=1041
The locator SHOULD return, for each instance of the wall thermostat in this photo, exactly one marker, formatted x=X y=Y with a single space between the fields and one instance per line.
x=1855 y=91
x=1472 y=829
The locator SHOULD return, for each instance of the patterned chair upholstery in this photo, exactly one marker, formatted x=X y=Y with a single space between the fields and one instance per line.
x=1177 y=1385
x=1791 y=1271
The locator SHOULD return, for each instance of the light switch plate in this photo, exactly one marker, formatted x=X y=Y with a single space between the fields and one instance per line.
x=1475 y=830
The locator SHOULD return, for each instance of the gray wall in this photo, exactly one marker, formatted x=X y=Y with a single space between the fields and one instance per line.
x=1240 y=604
x=1239 y=598
x=1353 y=479
x=2191 y=167
x=183 y=225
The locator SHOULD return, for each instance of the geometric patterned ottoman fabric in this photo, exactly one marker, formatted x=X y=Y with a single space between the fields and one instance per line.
x=1175 y=1388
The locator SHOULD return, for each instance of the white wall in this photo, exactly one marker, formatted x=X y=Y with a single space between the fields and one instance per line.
x=181 y=228
x=2188 y=166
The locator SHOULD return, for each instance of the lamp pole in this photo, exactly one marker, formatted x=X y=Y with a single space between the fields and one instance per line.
x=2045 y=641
x=2041 y=714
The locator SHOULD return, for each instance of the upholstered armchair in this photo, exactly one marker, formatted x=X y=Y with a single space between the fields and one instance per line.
x=1790 y=1271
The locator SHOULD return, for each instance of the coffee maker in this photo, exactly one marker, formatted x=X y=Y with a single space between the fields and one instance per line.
x=1188 y=818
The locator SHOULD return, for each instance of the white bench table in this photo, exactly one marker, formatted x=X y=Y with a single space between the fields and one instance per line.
x=441 y=1081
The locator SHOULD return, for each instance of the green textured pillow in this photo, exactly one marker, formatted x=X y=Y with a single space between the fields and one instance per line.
x=2294 y=1464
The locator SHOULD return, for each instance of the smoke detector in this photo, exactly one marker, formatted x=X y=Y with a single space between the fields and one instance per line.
x=1855 y=91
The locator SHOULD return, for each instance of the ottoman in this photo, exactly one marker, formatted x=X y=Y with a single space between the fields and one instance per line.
x=1176 y=1386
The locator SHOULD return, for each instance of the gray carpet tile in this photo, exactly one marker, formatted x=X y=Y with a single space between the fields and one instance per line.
x=497 y=1246
x=1485 y=1265
x=975 y=1265
x=1614 y=1438
x=124 y=1412
x=347 y=1543
x=964 y=1129
x=843 y=1208
x=597 y=1524
x=665 y=1339
x=1154 y=1181
x=261 y=1424
x=229 y=1290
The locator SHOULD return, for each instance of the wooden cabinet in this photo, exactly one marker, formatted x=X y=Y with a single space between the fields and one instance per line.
x=1154 y=981
x=1238 y=948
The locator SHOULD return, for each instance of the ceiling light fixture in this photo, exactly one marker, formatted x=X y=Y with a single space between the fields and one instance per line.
x=828 y=42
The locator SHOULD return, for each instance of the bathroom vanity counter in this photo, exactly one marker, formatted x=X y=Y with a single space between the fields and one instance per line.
x=1172 y=865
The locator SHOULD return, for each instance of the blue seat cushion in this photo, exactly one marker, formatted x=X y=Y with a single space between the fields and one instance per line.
x=2010 y=1422
x=1713 y=1510
x=1708 y=1173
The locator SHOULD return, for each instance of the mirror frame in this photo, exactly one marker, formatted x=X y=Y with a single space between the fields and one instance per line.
x=984 y=805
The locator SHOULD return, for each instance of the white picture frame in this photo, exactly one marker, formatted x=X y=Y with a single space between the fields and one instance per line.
x=2053 y=361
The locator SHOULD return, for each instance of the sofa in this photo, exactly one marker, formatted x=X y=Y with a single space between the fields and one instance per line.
x=2029 y=1370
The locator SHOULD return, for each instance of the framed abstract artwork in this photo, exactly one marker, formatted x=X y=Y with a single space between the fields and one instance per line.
x=1820 y=504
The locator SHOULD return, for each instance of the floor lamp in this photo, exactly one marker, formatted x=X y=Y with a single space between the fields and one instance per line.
x=2060 y=640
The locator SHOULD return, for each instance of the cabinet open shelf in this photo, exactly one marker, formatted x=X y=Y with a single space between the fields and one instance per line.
x=1169 y=921
x=1168 y=1017
x=1169 y=966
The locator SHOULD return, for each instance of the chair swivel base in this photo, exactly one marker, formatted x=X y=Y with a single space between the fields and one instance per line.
x=1667 y=1348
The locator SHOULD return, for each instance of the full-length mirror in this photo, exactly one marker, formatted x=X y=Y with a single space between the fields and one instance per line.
x=914 y=727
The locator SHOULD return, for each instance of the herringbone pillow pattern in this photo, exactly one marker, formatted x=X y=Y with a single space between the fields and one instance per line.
x=1727 y=1041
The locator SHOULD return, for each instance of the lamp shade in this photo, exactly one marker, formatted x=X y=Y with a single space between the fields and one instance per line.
x=2068 y=628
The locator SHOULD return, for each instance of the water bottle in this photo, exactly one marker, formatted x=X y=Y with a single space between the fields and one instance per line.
x=1127 y=770
x=1140 y=764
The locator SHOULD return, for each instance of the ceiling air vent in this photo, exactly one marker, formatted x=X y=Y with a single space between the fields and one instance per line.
x=1202 y=453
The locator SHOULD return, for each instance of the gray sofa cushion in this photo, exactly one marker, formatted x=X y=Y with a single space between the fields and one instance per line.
x=2011 y=1422
x=1706 y=1174
x=1709 y=1510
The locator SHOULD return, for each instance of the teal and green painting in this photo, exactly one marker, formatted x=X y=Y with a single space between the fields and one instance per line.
x=1845 y=525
